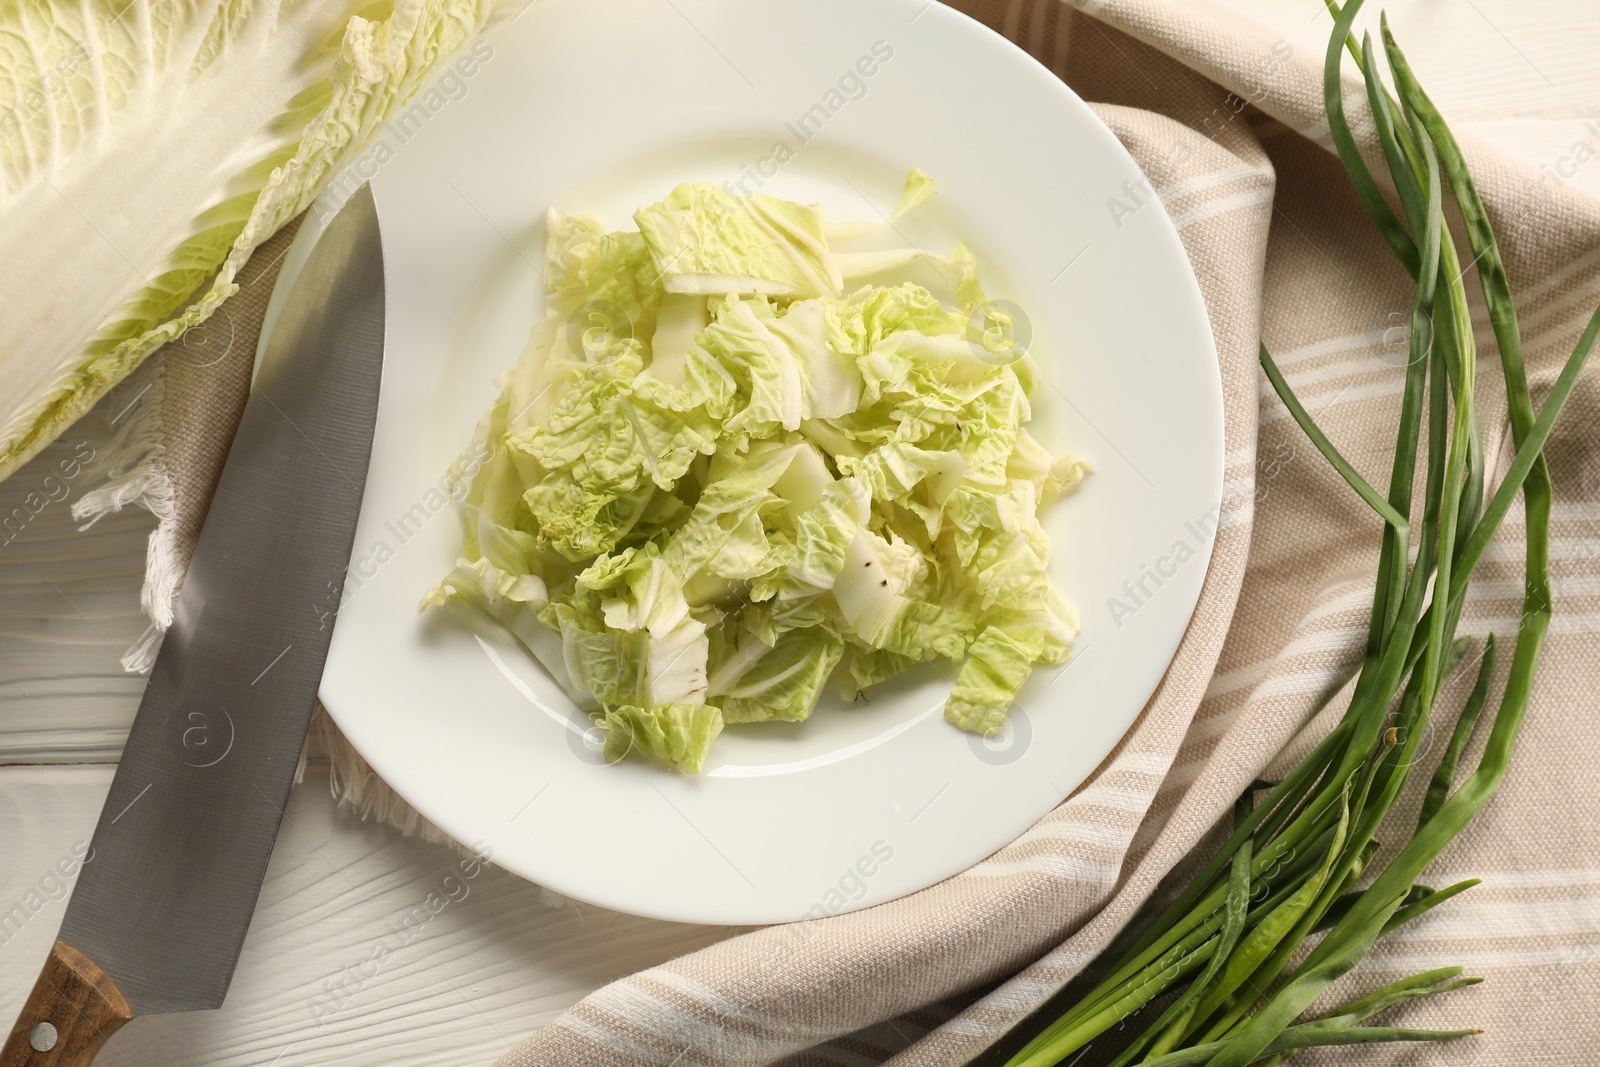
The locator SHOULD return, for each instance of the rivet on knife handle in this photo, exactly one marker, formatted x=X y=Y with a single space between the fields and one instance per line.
x=73 y=1009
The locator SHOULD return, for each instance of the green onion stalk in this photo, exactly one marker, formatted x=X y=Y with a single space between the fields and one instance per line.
x=1232 y=954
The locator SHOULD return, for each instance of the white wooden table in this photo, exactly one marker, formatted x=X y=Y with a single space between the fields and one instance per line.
x=487 y=971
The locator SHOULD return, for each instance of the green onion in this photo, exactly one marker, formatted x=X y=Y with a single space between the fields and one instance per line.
x=1292 y=865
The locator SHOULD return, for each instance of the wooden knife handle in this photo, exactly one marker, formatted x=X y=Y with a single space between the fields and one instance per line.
x=73 y=1009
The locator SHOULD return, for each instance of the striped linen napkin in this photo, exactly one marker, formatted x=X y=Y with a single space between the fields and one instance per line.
x=1227 y=122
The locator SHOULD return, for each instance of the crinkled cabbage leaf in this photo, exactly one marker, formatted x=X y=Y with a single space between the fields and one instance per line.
x=718 y=479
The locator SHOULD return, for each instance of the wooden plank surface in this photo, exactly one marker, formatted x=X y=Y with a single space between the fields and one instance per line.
x=345 y=962
x=69 y=607
x=497 y=962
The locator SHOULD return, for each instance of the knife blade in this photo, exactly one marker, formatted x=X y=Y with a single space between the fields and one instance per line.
x=160 y=910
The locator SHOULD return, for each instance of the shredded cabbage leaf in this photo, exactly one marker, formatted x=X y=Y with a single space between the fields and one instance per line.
x=721 y=477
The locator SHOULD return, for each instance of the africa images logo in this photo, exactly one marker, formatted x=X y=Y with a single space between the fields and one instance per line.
x=1144 y=587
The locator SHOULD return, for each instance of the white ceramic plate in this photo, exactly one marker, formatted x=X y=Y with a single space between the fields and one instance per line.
x=602 y=105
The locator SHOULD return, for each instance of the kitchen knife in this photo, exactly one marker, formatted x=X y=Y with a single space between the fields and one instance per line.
x=160 y=910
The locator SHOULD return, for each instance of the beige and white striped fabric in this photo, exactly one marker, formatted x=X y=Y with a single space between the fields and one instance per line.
x=1227 y=122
